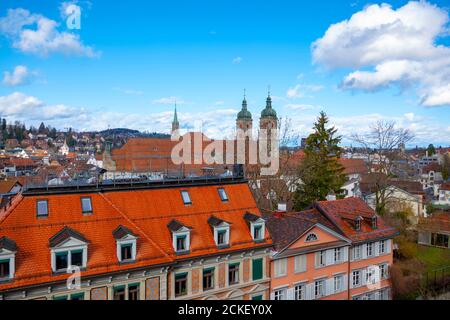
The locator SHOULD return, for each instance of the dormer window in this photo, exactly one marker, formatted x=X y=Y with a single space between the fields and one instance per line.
x=311 y=237
x=180 y=237
x=86 y=205
x=257 y=226
x=8 y=250
x=374 y=222
x=126 y=242
x=358 y=224
x=186 y=197
x=42 y=208
x=68 y=249
x=222 y=194
x=221 y=231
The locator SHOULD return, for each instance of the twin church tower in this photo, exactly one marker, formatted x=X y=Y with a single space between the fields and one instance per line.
x=244 y=120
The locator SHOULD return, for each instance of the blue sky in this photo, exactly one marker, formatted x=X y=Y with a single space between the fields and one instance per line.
x=130 y=61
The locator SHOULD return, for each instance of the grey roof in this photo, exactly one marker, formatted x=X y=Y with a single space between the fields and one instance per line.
x=214 y=221
x=121 y=231
x=65 y=234
x=175 y=225
x=8 y=244
x=251 y=217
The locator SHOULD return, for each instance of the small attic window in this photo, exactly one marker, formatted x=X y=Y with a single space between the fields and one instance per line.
x=358 y=224
x=223 y=195
x=311 y=237
x=186 y=197
x=86 y=205
x=42 y=208
x=374 y=222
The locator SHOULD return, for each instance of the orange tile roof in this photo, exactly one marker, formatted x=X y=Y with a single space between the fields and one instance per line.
x=145 y=212
x=353 y=166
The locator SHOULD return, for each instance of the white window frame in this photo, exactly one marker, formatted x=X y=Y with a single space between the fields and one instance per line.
x=338 y=279
x=258 y=223
x=223 y=194
x=182 y=232
x=384 y=271
x=321 y=259
x=222 y=227
x=186 y=196
x=129 y=239
x=338 y=253
x=37 y=208
x=90 y=205
x=357 y=249
x=300 y=290
x=69 y=250
x=280 y=294
x=370 y=246
x=11 y=256
x=280 y=267
x=382 y=244
x=360 y=275
x=319 y=283
x=312 y=234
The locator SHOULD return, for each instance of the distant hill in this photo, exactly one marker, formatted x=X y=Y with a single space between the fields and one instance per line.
x=120 y=131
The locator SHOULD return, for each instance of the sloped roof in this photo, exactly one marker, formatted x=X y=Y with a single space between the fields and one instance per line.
x=63 y=235
x=8 y=244
x=122 y=232
x=339 y=212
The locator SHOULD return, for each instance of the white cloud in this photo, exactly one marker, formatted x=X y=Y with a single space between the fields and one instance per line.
x=169 y=100
x=237 y=60
x=294 y=106
x=301 y=90
x=35 y=34
x=393 y=47
x=19 y=76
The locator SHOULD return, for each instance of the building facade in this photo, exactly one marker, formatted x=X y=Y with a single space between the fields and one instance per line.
x=338 y=250
x=201 y=239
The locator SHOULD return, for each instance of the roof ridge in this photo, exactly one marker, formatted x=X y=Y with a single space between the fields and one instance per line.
x=134 y=224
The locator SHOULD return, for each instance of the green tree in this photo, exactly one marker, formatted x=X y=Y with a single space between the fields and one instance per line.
x=320 y=172
x=431 y=150
x=446 y=166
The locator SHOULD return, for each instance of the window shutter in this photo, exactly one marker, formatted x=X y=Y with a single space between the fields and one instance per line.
x=329 y=286
x=363 y=277
x=345 y=254
x=290 y=294
x=309 y=291
x=257 y=268
x=303 y=263
x=272 y=295
x=377 y=248
x=388 y=246
x=344 y=282
x=329 y=254
x=364 y=251
x=316 y=259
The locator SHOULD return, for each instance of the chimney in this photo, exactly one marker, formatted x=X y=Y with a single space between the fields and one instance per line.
x=331 y=196
x=282 y=207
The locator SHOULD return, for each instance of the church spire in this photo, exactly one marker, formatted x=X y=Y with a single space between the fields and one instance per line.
x=175 y=123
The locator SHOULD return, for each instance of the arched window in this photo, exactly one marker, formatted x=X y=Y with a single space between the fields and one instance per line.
x=311 y=237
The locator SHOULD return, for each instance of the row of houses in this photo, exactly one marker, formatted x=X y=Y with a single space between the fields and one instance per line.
x=201 y=238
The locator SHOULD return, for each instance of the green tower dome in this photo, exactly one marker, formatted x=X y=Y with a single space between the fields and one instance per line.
x=244 y=114
x=268 y=111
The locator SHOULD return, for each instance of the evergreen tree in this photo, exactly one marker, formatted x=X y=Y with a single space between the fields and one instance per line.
x=320 y=172
x=431 y=150
x=42 y=128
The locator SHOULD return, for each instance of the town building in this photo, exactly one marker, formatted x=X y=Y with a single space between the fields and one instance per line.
x=176 y=239
x=339 y=249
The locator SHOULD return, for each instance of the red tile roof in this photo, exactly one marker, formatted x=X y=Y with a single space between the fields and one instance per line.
x=144 y=212
x=445 y=186
x=353 y=166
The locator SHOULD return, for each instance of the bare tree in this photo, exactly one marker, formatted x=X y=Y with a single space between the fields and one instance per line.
x=381 y=145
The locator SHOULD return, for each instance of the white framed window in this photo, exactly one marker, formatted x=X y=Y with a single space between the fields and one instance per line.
x=384 y=271
x=299 y=292
x=7 y=266
x=321 y=258
x=356 y=278
x=63 y=259
x=222 y=234
x=86 y=205
x=319 y=288
x=311 y=237
x=338 y=255
x=186 y=197
x=258 y=230
x=338 y=283
x=279 y=294
x=280 y=266
x=382 y=246
x=181 y=240
x=126 y=249
x=357 y=252
x=370 y=249
x=300 y=263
